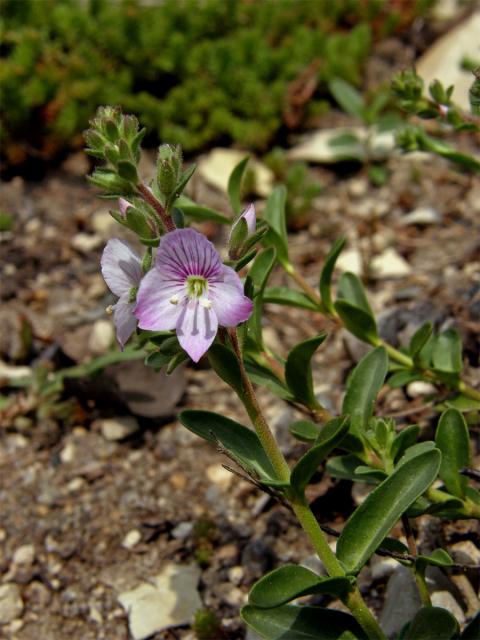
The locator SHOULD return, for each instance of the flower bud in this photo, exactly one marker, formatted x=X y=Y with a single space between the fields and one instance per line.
x=123 y=205
x=243 y=228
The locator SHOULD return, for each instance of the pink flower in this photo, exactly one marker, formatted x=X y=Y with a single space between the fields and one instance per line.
x=191 y=291
x=122 y=271
x=123 y=205
x=250 y=218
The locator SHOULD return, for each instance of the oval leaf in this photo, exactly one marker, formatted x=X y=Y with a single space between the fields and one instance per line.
x=225 y=365
x=326 y=275
x=259 y=273
x=289 y=297
x=361 y=324
x=364 y=384
x=301 y=623
x=350 y=288
x=235 y=183
x=274 y=214
x=330 y=436
x=242 y=443
x=431 y=623
x=304 y=430
x=298 y=370
x=419 y=339
x=452 y=438
x=447 y=352
x=375 y=517
x=292 y=581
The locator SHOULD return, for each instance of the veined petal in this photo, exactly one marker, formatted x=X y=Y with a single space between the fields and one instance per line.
x=125 y=321
x=196 y=328
x=121 y=267
x=186 y=252
x=228 y=300
x=250 y=218
x=159 y=302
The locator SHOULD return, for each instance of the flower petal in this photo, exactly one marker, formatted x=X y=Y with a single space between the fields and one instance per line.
x=228 y=300
x=196 y=328
x=186 y=252
x=121 y=267
x=154 y=308
x=125 y=321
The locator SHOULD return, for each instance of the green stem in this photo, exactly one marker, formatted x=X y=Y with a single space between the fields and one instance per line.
x=299 y=505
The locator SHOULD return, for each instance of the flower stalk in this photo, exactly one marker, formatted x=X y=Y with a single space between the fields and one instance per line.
x=165 y=218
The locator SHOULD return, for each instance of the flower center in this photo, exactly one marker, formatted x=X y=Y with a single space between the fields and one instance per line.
x=196 y=286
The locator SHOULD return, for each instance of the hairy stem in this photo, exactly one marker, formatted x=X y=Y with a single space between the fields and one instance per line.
x=298 y=503
x=165 y=218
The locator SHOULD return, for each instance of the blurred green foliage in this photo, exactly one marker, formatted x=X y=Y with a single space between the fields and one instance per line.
x=194 y=71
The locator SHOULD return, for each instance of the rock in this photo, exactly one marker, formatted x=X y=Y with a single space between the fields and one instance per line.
x=216 y=167
x=118 y=428
x=101 y=337
x=465 y=552
x=9 y=373
x=67 y=454
x=77 y=164
x=421 y=215
x=24 y=554
x=401 y=601
x=146 y=392
x=445 y=600
x=390 y=264
x=358 y=187
x=217 y=474
x=131 y=539
x=382 y=568
x=11 y=603
x=420 y=388
x=86 y=242
x=170 y=599
x=235 y=574
x=327 y=146
x=182 y=530
x=443 y=59
x=103 y=223
x=350 y=260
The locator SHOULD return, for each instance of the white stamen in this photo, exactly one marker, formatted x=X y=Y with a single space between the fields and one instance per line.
x=174 y=299
x=109 y=310
x=206 y=303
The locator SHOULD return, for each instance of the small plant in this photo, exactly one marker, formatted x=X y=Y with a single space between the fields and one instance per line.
x=186 y=302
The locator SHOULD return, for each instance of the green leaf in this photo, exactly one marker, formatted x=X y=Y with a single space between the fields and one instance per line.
x=234 y=185
x=259 y=273
x=406 y=438
x=349 y=99
x=438 y=558
x=292 y=581
x=364 y=383
x=419 y=339
x=447 y=352
x=225 y=364
x=345 y=468
x=472 y=630
x=463 y=403
x=375 y=517
x=415 y=450
x=290 y=622
x=330 y=436
x=452 y=438
x=274 y=214
x=402 y=378
x=326 y=275
x=353 y=308
x=265 y=378
x=242 y=443
x=304 y=430
x=289 y=297
x=298 y=370
x=350 y=288
x=195 y=212
x=431 y=623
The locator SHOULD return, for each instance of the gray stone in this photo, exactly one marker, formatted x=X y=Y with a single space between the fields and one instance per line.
x=445 y=600
x=118 y=428
x=131 y=539
x=390 y=264
x=11 y=603
x=216 y=167
x=421 y=215
x=401 y=601
x=24 y=554
x=182 y=530
x=170 y=599
x=465 y=552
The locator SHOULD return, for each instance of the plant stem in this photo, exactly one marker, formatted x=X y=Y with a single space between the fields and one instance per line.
x=393 y=353
x=418 y=572
x=299 y=504
x=165 y=218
